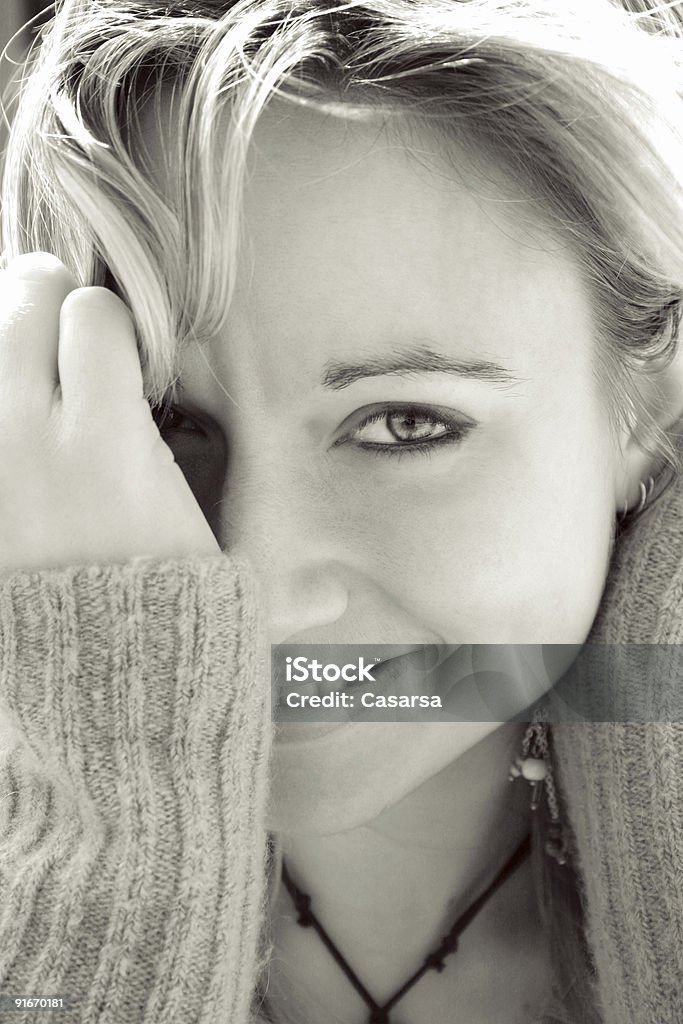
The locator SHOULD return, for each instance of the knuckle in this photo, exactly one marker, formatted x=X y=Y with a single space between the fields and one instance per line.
x=40 y=268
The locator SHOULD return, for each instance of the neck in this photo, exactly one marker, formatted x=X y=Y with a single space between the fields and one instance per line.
x=388 y=891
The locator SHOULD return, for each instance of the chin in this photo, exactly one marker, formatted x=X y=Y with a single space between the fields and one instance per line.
x=345 y=778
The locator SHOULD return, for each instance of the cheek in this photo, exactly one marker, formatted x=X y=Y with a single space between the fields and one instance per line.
x=519 y=555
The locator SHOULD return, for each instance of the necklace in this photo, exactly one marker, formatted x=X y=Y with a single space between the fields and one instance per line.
x=434 y=961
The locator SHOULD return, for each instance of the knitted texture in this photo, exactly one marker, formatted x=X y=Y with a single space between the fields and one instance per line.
x=133 y=755
x=623 y=781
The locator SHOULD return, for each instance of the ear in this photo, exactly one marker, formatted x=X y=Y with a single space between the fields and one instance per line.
x=661 y=395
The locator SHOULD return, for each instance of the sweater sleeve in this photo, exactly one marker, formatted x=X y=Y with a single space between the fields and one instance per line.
x=133 y=758
x=623 y=781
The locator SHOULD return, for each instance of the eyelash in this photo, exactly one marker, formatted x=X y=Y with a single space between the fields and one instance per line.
x=457 y=431
x=163 y=414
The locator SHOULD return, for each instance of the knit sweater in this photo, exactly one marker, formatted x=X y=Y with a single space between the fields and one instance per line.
x=623 y=780
x=133 y=761
x=134 y=739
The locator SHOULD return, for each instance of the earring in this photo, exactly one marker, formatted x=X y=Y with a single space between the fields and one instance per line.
x=645 y=497
x=645 y=493
x=534 y=765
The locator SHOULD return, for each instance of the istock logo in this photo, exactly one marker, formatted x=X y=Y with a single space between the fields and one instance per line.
x=300 y=670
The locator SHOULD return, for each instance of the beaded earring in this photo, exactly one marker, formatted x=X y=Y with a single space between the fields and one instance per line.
x=533 y=764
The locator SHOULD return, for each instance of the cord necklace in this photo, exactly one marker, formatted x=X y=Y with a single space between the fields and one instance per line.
x=434 y=961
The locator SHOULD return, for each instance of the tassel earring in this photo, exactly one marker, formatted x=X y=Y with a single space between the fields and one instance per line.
x=534 y=765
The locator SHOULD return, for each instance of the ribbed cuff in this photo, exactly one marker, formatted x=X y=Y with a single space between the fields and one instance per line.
x=133 y=768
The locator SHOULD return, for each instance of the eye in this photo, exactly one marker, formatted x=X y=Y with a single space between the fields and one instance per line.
x=406 y=426
x=403 y=429
x=170 y=419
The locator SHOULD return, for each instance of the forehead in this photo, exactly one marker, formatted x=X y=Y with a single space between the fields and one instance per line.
x=354 y=234
x=351 y=222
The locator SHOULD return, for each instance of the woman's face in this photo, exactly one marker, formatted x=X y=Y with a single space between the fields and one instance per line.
x=418 y=447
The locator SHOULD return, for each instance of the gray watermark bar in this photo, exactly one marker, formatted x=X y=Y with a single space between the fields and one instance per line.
x=629 y=683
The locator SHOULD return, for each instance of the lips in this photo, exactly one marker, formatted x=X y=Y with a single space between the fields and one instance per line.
x=396 y=669
x=426 y=671
x=410 y=673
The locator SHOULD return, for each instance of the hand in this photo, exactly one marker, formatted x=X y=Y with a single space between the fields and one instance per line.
x=84 y=474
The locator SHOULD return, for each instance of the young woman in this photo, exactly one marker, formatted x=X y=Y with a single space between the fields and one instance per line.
x=397 y=287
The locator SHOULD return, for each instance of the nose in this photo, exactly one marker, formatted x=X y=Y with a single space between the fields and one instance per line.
x=291 y=537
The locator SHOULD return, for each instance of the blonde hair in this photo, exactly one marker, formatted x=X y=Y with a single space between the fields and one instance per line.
x=577 y=100
x=571 y=97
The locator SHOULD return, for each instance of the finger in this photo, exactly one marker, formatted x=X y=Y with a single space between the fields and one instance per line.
x=99 y=365
x=32 y=291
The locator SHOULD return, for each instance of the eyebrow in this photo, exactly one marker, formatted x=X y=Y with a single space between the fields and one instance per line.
x=339 y=375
